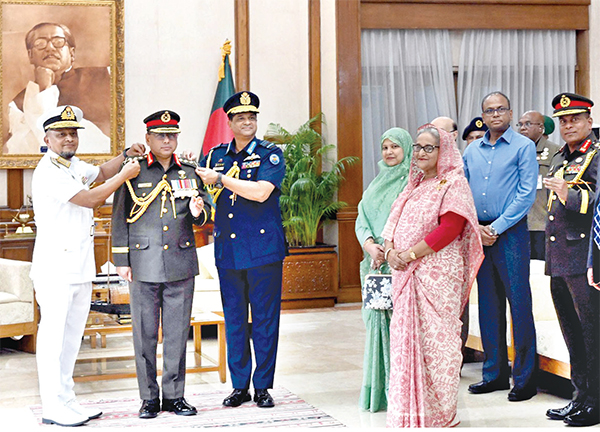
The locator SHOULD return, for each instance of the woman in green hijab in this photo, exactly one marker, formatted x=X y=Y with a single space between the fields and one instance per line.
x=373 y=211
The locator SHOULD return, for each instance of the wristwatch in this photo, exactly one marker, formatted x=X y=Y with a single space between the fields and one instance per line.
x=219 y=183
x=413 y=255
x=493 y=230
x=125 y=152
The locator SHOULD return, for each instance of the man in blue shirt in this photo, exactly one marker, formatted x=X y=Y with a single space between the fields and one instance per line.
x=502 y=171
x=246 y=175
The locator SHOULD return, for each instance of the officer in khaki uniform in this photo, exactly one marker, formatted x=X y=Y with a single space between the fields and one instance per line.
x=154 y=249
x=571 y=183
x=246 y=175
x=531 y=125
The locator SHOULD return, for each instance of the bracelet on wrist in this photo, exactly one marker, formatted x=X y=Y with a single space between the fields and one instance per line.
x=368 y=241
x=387 y=252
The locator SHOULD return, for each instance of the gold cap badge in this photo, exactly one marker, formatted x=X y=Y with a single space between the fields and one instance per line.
x=67 y=114
x=166 y=117
x=245 y=99
x=565 y=101
x=479 y=123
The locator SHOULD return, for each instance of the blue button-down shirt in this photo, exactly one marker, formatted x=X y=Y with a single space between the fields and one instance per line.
x=503 y=178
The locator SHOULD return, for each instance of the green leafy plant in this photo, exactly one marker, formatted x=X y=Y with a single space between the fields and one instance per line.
x=308 y=194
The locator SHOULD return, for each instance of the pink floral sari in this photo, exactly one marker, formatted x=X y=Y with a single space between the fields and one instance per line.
x=429 y=296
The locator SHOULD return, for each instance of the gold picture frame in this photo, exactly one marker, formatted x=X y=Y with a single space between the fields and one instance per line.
x=86 y=70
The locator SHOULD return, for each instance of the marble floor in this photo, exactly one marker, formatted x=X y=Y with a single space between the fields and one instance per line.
x=320 y=360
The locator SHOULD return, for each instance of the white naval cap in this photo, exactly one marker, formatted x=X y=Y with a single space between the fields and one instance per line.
x=61 y=117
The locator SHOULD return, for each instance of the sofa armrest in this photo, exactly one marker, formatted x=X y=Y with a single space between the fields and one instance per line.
x=14 y=279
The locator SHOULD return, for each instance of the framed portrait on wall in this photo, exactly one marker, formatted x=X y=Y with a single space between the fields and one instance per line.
x=55 y=53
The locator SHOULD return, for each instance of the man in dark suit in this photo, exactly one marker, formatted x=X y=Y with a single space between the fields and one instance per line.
x=249 y=247
x=51 y=52
x=154 y=249
x=571 y=180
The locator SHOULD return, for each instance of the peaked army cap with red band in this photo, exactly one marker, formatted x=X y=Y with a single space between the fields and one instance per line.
x=164 y=121
x=571 y=103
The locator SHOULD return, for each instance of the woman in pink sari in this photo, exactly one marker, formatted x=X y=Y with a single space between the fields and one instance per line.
x=433 y=246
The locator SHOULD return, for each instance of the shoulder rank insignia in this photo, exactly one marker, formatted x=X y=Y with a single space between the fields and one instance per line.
x=61 y=160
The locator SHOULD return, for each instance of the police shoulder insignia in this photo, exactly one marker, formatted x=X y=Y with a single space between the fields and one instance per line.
x=274 y=159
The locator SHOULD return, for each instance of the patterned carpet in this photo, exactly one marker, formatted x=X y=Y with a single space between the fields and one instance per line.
x=289 y=410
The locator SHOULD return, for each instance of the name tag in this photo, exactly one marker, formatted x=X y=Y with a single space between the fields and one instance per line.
x=539 y=182
x=144 y=185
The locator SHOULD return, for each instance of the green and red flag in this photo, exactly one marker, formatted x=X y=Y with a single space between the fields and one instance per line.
x=217 y=130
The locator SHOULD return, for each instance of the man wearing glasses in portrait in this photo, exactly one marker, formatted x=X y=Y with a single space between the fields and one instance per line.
x=51 y=52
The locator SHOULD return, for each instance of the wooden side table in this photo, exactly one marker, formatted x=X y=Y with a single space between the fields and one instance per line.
x=99 y=365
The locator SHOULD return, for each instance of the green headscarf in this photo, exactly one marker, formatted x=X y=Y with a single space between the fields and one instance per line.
x=376 y=203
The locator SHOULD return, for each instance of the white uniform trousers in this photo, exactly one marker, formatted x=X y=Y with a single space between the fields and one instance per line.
x=64 y=310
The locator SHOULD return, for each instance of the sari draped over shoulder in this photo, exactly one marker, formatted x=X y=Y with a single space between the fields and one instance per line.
x=430 y=294
x=373 y=210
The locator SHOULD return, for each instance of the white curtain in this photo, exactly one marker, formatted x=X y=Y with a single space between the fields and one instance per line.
x=407 y=81
x=530 y=67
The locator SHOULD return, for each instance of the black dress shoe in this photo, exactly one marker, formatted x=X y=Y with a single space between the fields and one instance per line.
x=586 y=416
x=150 y=408
x=178 y=406
x=521 y=394
x=561 y=413
x=489 y=386
x=263 y=399
x=237 y=397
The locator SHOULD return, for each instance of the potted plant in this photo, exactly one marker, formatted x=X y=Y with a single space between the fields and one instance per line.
x=308 y=199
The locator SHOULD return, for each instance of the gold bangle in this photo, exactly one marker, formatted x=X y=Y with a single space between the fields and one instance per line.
x=368 y=241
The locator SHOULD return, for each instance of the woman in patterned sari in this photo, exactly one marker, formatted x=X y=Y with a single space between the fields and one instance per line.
x=433 y=246
x=373 y=211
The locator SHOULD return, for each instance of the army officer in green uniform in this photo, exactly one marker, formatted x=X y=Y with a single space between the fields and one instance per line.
x=572 y=182
x=154 y=249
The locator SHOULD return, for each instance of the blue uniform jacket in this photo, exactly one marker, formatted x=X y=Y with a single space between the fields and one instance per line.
x=248 y=233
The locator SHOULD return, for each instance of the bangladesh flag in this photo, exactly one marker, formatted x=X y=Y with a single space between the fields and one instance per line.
x=217 y=130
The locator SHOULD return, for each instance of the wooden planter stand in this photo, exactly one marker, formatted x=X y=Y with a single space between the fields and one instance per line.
x=310 y=277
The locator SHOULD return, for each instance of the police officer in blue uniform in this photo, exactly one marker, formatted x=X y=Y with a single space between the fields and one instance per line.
x=154 y=249
x=244 y=177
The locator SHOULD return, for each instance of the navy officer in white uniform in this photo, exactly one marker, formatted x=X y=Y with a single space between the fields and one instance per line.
x=63 y=257
x=246 y=175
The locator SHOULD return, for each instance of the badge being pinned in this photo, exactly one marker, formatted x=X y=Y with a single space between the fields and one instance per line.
x=274 y=159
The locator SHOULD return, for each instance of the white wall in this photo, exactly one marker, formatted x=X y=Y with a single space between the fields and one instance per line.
x=172 y=57
x=279 y=61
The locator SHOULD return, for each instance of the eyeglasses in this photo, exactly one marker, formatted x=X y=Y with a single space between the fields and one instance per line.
x=162 y=136
x=57 y=42
x=491 y=111
x=527 y=124
x=427 y=149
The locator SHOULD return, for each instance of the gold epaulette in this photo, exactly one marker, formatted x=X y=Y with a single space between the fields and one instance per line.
x=59 y=160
